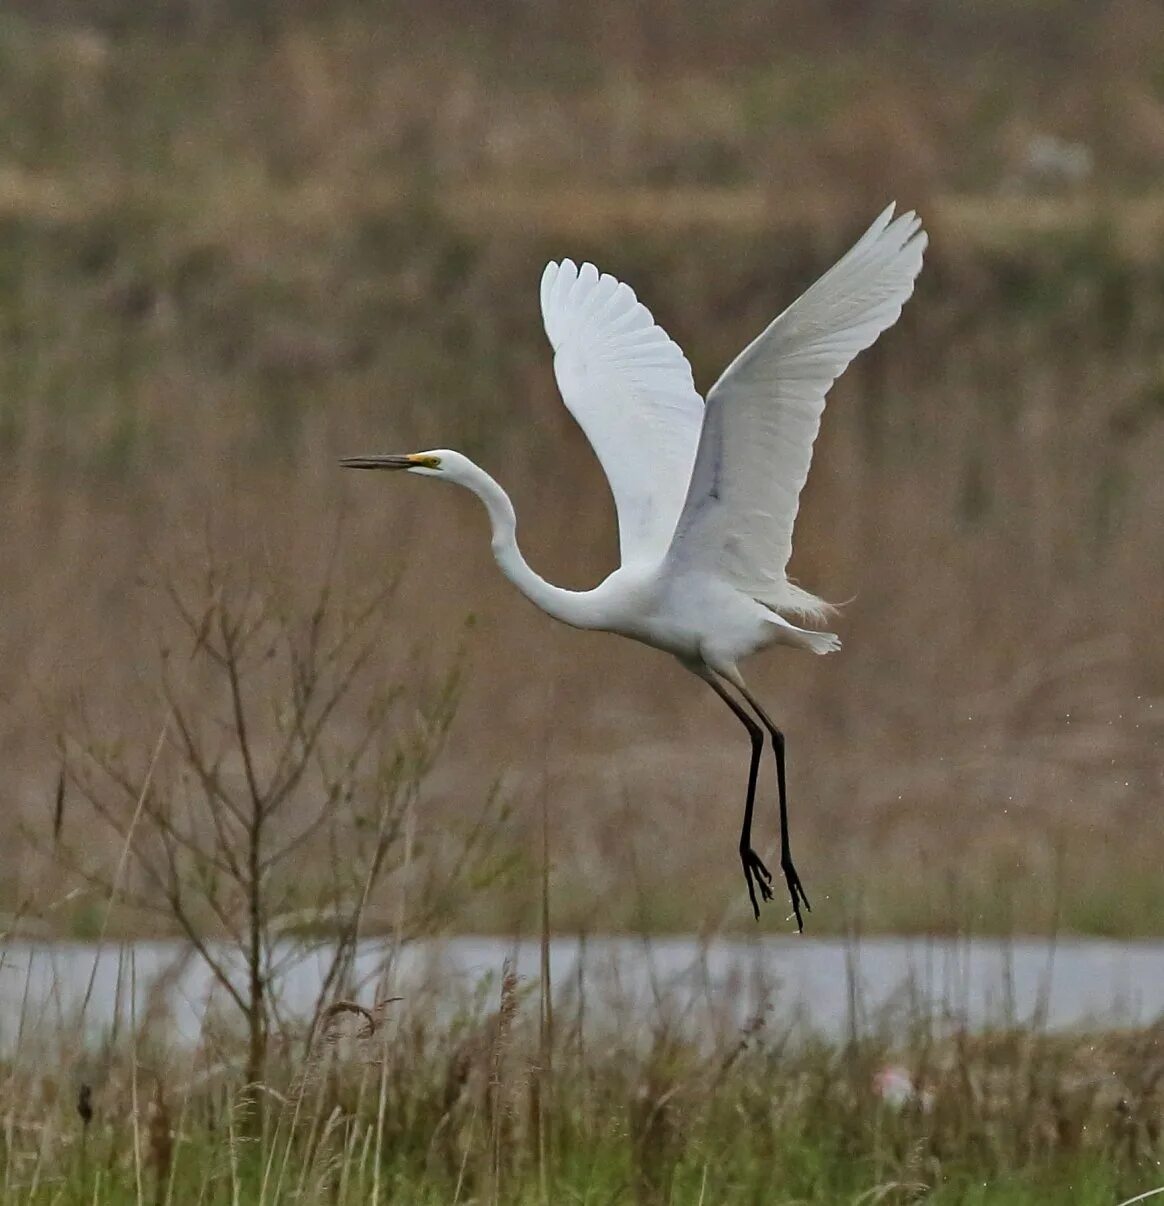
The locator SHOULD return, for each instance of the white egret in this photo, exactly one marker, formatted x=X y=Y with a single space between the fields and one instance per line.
x=706 y=494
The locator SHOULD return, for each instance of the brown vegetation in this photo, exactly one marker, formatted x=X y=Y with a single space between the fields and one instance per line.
x=225 y=260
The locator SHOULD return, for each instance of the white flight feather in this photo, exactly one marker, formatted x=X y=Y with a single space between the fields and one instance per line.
x=764 y=412
x=629 y=387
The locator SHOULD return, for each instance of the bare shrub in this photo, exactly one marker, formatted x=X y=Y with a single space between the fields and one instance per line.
x=275 y=815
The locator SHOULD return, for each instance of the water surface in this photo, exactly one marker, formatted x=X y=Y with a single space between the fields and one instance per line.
x=827 y=986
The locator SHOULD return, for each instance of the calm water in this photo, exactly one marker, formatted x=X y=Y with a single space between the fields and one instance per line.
x=823 y=985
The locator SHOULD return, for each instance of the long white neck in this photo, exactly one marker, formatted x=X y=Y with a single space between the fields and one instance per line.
x=569 y=606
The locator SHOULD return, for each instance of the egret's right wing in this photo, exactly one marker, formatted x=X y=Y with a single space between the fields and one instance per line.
x=629 y=387
x=763 y=414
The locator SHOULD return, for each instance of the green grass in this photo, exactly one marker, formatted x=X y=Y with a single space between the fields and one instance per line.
x=478 y=1113
x=208 y=1171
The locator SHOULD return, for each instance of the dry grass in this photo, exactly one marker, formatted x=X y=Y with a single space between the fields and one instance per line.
x=220 y=270
x=439 y=1099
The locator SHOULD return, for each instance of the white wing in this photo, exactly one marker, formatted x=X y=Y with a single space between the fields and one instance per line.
x=629 y=387
x=763 y=414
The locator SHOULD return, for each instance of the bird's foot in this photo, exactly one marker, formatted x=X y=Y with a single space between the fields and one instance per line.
x=795 y=891
x=756 y=874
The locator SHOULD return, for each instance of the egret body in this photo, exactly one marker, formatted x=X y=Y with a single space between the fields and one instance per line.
x=706 y=493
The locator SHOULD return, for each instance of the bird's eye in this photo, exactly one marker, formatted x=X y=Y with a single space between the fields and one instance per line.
x=426 y=462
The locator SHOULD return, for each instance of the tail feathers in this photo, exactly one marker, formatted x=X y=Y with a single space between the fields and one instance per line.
x=819 y=642
x=805 y=638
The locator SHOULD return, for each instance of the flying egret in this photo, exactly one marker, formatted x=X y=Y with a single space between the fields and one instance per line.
x=706 y=494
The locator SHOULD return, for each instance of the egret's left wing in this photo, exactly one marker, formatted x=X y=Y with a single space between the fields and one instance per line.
x=629 y=386
x=764 y=412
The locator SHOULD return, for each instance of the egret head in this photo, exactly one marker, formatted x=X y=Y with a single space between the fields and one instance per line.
x=438 y=462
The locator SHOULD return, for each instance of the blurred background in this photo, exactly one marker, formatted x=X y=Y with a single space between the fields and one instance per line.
x=241 y=239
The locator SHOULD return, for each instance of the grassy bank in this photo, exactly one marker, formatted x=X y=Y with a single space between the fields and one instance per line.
x=511 y=1102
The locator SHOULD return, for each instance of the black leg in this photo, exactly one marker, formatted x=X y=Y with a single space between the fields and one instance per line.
x=795 y=888
x=755 y=873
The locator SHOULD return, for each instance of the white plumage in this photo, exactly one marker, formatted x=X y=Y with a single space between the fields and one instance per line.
x=629 y=387
x=706 y=495
x=764 y=412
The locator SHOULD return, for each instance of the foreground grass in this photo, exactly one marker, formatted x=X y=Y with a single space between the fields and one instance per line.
x=207 y=1170
x=489 y=1107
